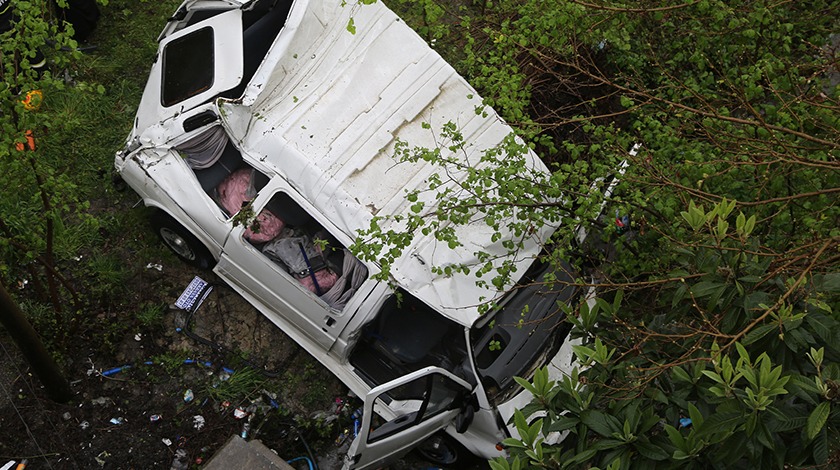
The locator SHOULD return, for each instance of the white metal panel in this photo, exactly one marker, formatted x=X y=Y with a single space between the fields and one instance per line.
x=327 y=119
x=228 y=70
x=364 y=454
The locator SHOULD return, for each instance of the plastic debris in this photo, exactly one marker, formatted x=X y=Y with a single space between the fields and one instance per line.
x=8 y=465
x=342 y=437
x=66 y=416
x=181 y=460
x=685 y=422
x=154 y=418
x=188 y=396
x=326 y=417
x=198 y=422
x=100 y=459
x=84 y=425
x=622 y=222
x=101 y=401
x=115 y=370
x=271 y=398
x=224 y=406
x=166 y=441
x=117 y=421
x=246 y=428
x=138 y=337
x=332 y=414
x=194 y=294
x=156 y=266
x=239 y=413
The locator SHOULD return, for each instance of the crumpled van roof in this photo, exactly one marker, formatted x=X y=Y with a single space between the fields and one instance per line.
x=325 y=110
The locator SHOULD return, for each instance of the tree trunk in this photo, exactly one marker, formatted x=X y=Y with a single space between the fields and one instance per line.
x=43 y=365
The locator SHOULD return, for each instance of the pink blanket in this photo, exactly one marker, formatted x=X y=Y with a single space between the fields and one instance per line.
x=326 y=279
x=234 y=192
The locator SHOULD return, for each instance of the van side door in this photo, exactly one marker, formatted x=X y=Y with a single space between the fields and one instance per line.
x=424 y=402
x=304 y=309
x=192 y=66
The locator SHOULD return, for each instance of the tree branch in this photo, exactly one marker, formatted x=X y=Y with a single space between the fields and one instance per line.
x=633 y=10
x=784 y=297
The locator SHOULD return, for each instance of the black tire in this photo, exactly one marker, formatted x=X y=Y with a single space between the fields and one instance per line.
x=443 y=451
x=183 y=243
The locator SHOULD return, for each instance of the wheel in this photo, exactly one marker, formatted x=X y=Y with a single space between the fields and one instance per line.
x=183 y=243
x=441 y=450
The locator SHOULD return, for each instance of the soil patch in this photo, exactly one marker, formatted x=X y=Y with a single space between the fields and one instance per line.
x=163 y=394
x=163 y=391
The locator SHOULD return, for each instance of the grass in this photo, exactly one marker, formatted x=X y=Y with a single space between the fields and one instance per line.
x=172 y=361
x=109 y=274
x=42 y=315
x=99 y=237
x=97 y=109
x=242 y=384
x=74 y=240
x=150 y=314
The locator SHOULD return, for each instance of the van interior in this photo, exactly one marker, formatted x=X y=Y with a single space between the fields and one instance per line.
x=405 y=336
x=283 y=231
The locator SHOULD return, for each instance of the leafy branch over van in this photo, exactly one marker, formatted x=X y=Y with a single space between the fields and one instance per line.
x=721 y=235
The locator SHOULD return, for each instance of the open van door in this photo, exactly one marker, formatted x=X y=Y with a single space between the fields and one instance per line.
x=192 y=66
x=425 y=402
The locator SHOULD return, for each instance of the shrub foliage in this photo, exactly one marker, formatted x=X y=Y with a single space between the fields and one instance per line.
x=714 y=340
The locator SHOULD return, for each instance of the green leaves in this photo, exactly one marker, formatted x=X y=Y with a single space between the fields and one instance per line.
x=600 y=354
x=603 y=424
x=817 y=419
x=540 y=387
x=715 y=220
x=744 y=226
x=530 y=441
x=725 y=377
x=503 y=464
x=731 y=195
x=43 y=206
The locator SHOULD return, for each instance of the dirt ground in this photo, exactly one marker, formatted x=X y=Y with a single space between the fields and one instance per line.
x=139 y=416
x=164 y=391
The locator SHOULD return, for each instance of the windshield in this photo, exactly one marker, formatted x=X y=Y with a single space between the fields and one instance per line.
x=525 y=331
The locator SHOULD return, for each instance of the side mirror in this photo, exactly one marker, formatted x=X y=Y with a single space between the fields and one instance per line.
x=465 y=418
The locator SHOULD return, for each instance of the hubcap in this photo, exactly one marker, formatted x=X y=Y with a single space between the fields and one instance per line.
x=177 y=244
x=438 y=451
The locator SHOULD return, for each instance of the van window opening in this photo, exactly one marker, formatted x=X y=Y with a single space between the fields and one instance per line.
x=407 y=335
x=188 y=66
